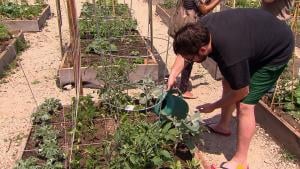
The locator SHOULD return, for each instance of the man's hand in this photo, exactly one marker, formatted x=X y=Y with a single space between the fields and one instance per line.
x=206 y=108
x=171 y=82
x=176 y=69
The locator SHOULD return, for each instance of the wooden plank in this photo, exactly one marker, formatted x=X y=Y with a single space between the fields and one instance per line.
x=165 y=17
x=10 y=53
x=278 y=128
x=29 y=25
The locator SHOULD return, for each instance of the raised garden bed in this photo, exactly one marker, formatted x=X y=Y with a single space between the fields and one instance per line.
x=101 y=142
x=281 y=127
x=164 y=13
x=93 y=63
x=278 y=111
x=9 y=49
x=28 y=25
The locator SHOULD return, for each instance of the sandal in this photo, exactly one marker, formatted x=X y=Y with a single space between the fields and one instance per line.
x=238 y=167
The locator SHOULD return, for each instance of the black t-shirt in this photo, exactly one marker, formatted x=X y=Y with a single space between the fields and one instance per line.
x=244 y=40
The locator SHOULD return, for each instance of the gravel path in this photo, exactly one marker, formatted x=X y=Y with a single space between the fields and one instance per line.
x=40 y=63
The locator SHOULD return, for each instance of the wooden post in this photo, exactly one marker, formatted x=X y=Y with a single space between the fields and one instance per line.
x=59 y=21
x=150 y=23
x=71 y=23
x=95 y=7
x=113 y=8
x=75 y=44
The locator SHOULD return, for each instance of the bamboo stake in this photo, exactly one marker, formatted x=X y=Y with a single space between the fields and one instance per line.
x=113 y=8
x=71 y=23
x=150 y=22
x=294 y=28
x=59 y=21
x=95 y=8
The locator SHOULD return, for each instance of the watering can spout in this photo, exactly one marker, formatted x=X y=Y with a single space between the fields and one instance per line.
x=172 y=105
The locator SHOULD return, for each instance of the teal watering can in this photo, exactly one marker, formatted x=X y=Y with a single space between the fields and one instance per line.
x=171 y=105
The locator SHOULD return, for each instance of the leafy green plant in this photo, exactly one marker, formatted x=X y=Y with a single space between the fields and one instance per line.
x=101 y=46
x=102 y=28
x=145 y=97
x=134 y=53
x=121 y=10
x=41 y=116
x=30 y=163
x=143 y=145
x=193 y=164
x=92 y=158
x=150 y=91
x=11 y=10
x=87 y=113
x=45 y=132
x=53 y=165
x=51 y=105
x=50 y=150
x=287 y=95
x=168 y=4
x=244 y=3
x=4 y=33
x=176 y=165
x=46 y=110
x=21 y=45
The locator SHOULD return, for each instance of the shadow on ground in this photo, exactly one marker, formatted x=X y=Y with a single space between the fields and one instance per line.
x=216 y=144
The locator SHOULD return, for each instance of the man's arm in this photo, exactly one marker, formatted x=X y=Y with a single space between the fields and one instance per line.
x=176 y=70
x=230 y=98
x=205 y=8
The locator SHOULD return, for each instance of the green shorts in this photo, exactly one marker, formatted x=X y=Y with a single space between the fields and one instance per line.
x=261 y=82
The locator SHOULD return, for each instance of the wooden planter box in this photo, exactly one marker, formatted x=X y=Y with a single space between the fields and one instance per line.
x=163 y=14
x=284 y=133
x=105 y=127
x=29 y=25
x=10 y=53
x=88 y=74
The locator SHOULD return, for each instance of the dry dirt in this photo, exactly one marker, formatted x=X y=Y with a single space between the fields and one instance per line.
x=41 y=61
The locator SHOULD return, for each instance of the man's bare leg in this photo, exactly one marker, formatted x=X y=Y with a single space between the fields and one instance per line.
x=246 y=130
x=223 y=125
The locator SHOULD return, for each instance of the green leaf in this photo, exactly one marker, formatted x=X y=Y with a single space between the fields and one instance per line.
x=298 y=100
x=166 y=127
x=289 y=106
x=297 y=92
x=157 y=161
x=165 y=154
x=190 y=144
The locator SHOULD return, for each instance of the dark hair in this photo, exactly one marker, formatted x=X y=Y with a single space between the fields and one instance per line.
x=190 y=38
